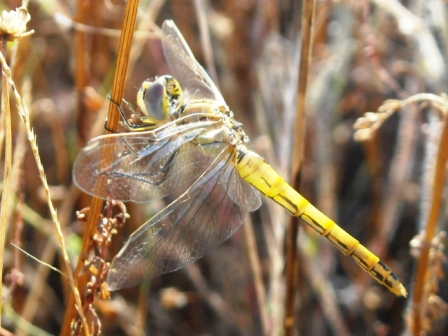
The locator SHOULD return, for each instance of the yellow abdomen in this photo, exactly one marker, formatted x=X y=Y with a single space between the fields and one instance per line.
x=254 y=169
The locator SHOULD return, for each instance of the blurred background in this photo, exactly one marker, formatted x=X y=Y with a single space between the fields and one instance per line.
x=365 y=52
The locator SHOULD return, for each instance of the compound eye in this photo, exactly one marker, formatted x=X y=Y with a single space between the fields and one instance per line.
x=155 y=101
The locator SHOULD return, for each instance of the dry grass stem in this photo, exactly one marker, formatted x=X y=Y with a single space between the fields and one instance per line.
x=249 y=235
x=6 y=116
x=431 y=229
x=205 y=40
x=24 y=114
x=47 y=265
x=126 y=39
x=307 y=31
x=84 y=28
x=12 y=28
x=433 y=307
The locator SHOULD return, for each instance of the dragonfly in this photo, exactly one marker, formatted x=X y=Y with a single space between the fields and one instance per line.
x=187 y=144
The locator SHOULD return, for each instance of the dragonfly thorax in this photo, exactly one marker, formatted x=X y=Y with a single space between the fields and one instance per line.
x=232 y=130
x=235 y=133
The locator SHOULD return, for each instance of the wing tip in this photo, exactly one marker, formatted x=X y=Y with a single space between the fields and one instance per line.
x=169 y=23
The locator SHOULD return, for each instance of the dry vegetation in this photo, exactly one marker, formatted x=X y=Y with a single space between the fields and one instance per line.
x=384 y=181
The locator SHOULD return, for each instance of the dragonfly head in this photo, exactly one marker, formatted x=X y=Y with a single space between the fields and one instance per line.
x=155 y=98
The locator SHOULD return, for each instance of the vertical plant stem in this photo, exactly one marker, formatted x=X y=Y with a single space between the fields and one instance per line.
x=126 y=39
x=257 y=273
x=308 y=15
x=291 y=270
x=7 y=168
x=431 y=227
x=81 y=68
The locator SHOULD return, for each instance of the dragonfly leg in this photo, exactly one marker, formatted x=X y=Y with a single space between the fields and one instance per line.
x=146 y=124
x=107 y=127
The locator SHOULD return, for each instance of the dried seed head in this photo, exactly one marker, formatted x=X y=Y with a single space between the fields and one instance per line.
x=391 y=105
x=366 y=121
x=367 y=125
x=363 y=135
x=13 y=24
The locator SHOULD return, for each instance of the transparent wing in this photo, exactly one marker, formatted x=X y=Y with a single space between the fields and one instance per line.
x=209 y=212
x=191 y=75
x=144 y=165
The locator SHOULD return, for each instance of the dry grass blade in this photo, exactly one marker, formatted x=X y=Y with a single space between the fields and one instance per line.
x=24 y=114
x=6 y=114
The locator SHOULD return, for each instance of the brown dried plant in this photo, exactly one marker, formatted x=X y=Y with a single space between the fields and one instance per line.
x=427 y=247
x=432 y=307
